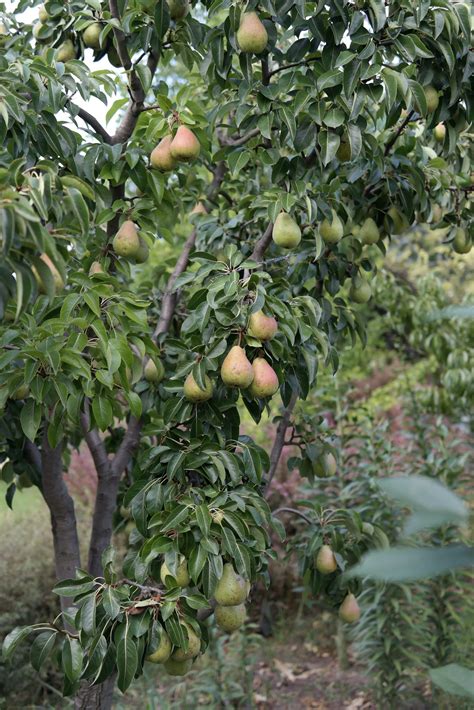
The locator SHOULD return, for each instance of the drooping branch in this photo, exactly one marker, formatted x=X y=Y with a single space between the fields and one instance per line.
x=279 y=441
x=303 y=62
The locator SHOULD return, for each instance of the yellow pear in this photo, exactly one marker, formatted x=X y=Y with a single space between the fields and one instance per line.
x=325 y=561
x=66 y=51
x=286 y=233
x=22 y=392
x=143 y=251
x=461 y=242
x=439 y=132
x=173 y=667
x=185 y=145
x=251 y=35
x=349 y=610
x=178 y=9
x=344 y=153
x=432 y=98
x=325 y=466
x=182 y=575
x=231 y=589
x=96 y=268
x=91 y=35
x=127 y=242
x=399 y=222
x=194 y=393
x=58 y=282
x=230 y=618
x=360 y=291
x=161 y=158
x=43 y=15
x=332 y=231
x=199 y=208
x=369 y=232
x=262 y=327
x=163 y=652
x=194 y=646
x=154 y=371
x=265 y=381
x=237 y=370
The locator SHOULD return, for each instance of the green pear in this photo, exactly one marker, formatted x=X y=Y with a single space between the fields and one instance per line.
x=143 y=252
x=251 y=35
x=360 y=291
x=439 y=132
x=194 y=393
x=36 y=30
x=182 y=575
x=163 y=652
x=332 y=231
x=230 y=618
x=262 y=327
x=57 y=278
x=23 y=481
x=43 y=15
x=22 y=392
x=325 y=561
x=344 y=153
x=369 y=232
x=178 y=9
x=349 y=610
x=66 y=51
x=265 y=381
x=236 y=370
x=461 y=242
x=325 y=466
x=432 y=98
x=194 y=646
x=173 y=667
x=161 y=158
x=91 y=35
x=231 y=589
x=185 y=146
x=398 y=221
x=286 y=233
x=154 y=371
x=127 y=242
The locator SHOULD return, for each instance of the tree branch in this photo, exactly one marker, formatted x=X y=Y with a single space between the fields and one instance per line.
x=397 y=133
x=95 y=443
x=303 y=62
x=127 y=447
x=279 y=441
x=95 y=124
x=241 y=140
x=262 y=244
x=295 y=512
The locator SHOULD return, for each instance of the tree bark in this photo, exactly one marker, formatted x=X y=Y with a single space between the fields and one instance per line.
x=95 y=697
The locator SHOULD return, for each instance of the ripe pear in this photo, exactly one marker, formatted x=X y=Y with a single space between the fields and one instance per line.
x=143 y=252
x=96 y=268
x=349 y=610
x=199 y=208
x=127 y=242
x=360 y=291
x=173 y=667
x=22 y=392
x=231 y=589
x=432 y=98
x=344 y=153
x=66 y=51
x=185 y=146
x=161 y=158
x=178 y=9
x=325 y=466
x=194 y=646
x=58 y=282
x=237 y=370
x=369 y=232
x=230 y=618
x=265 y=381
x=182 y=575
x=194 y=393
x=399 y=221
x=439 y=132
x=43 y=15
x=325 y=561
x=461 y=242
x=91 y=35
x=251 y=35
x=154 y=371
x=332 y=231
x=262 y=327
x=286 y=233
x=163 y=652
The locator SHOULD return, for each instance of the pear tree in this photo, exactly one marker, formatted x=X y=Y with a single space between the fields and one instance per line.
x=308 y=133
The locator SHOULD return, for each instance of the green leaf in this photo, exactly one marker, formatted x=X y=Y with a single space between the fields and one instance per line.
x=80 y=209
x=72 y=658
x=30 y=418
x=41 y=648
x=425 y=494
x=127 y=661
x=13 y=639
x=454 y=679
x=102 y=411
x=73 y=587
x=329 y=143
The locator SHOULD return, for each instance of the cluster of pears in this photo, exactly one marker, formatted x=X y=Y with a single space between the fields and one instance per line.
x=184 y=146
x=230 y=593
x=326 y=563
x=130 y=244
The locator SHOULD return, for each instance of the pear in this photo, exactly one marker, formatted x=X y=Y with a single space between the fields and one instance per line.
x=325 y=466
x=432 y=98
x=178 y=9
x=96 y=268
x=58 y=282
x=461 y=242
x=286 y=233
x=369 y=232
x=185 y=145
x=368 y=529
x=262 y=327
x=22 y=392
x=143 y=252
x=332 y=231
x=349 y=610
x=173 y=667
x=182 y=575
x=161 y=158
x=66 y=51
x=91 y=35
x=163 y=652
x=436 y=213
x=154 y=371
x=360 y=291
x=265 y=381
x=439 y=132
x=325 y=561
x=36 y=30
x=126 y=242
x=251 y=35
x=194 y=393
x=199 y=208
x=230 y=618
x=236 y=370
x=399 y=221
x=43 y=15
x=231 y=589
x=194 y=646
x=344 y=153
x=23 y=481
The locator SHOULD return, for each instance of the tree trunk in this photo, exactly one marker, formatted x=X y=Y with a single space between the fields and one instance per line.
x=95 y=697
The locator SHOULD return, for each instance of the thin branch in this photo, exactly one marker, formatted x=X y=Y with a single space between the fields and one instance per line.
x=241 y=140
x=295 y=512
x=303 y=62
x=279 y=442
x=262 y=244
x=398 y=133
x=95 y=124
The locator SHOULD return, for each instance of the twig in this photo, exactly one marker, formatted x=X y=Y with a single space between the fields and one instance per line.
x=280 y=439
x=303 y=62
x=240 y=140
x=295 y=512
x=397 y=133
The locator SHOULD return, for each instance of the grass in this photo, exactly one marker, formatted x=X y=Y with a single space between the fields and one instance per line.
x=25 y=502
